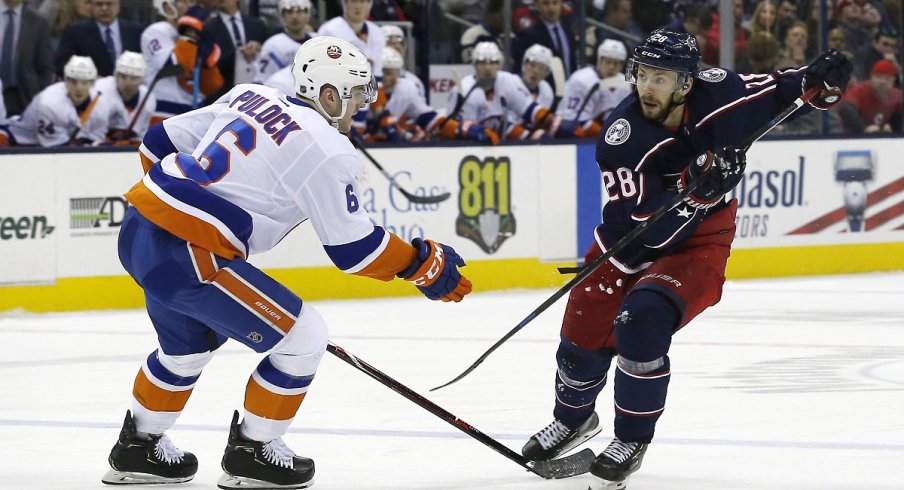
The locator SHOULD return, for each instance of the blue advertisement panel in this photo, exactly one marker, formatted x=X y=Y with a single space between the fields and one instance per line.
x=589 y=197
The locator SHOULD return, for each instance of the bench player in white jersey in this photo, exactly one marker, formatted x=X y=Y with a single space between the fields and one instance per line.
x=490 y=94
x=395 y=39
x=535 y=68
x=125 y=92
x=278 y=51
x=592 y=92
x=177 y=40
x=401 y=114
x=234 y=179
x=354 y=27
x=282 y=80
x=71 y=112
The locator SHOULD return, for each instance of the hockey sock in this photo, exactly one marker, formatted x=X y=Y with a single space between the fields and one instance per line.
x=162 y=388
x=580 y=377
x=272 y=398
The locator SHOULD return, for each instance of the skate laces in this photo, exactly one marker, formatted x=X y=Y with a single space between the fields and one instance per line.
x=553 y=434
x=167 y=452
x=620 y=451
x=279 y=454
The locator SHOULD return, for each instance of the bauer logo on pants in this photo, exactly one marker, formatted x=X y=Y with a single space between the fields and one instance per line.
x=484 y=205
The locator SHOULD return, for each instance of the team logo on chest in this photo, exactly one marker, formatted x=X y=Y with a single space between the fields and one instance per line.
x=618 y=132
x=712 y=75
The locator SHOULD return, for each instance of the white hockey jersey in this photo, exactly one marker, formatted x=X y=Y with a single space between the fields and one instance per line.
x=509 y=96
x=283 y=80
x=277 y=53
x=51 y=119
x=240 y=174
x=543 y=96
x=120 y=115
x=610 y=93
x=404 y=101
x=411 y=77
x=372 y=46
x=157 y=43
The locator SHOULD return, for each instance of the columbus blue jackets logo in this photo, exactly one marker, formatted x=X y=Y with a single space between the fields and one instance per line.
x=484 y=203
x=618 y=132
x=712 y=75
x=333 y=52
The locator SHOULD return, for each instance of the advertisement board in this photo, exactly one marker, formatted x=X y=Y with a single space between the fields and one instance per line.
x=29 y=227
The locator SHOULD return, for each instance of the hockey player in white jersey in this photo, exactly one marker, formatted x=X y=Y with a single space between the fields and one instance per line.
x=282 y=80
x=125 y=92
x=490 y=94
x=231 y=180
x=71 y=112
x=278 y=51
x=592 y=92
x=401 y=114
x=353 y=27
x=535 y=67
x=178 y=40
x=395 y=39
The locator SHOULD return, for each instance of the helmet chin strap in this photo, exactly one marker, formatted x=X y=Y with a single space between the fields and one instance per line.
x=333 y=120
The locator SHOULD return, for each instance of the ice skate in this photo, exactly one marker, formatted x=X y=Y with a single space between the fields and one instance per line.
x=556 y=439
x=617 y=462
x=155 y=460
x=253 y=464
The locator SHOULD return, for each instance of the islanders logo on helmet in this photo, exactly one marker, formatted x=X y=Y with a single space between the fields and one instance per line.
x=333 y=51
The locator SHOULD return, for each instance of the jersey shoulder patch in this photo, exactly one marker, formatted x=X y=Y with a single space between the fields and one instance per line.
x=712 y=75
x=618 y=132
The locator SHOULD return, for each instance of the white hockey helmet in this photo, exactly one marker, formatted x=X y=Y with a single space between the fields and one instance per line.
x=80 y=68
x=538 y=54
x=393 y=33
x=612 y=48
x=132 y=64
x=392 y=60
x=486 y=51
x=160 y=5
x=327 y=60
x=294 y=4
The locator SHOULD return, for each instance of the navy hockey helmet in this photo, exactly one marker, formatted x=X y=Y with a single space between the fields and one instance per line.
x=668 y=50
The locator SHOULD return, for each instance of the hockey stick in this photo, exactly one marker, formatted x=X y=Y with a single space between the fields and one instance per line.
x=630 y=236
x=568 y=466
x=557 y=70
x=459 y=103
x=411 y=197
x=165 y=72
x=83 y=118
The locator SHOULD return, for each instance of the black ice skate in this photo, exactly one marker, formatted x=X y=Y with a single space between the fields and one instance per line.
x=616 y=463
x=253 y=464
x=137 y=461
x=556 y=439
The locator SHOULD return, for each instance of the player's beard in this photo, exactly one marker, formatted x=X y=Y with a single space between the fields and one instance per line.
x=660 y=112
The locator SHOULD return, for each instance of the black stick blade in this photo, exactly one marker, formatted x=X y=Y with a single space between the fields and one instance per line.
x=416 y=199
x=574 y=465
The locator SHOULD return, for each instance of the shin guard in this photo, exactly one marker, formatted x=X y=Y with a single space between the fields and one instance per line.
x=580 y=377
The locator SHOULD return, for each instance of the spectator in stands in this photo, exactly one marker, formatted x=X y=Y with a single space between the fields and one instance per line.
x=794 y=52
x=710 y=51
x=102 y=38
x=489 y=30
x=552 y=31
x=71 y=112
x=838 y=41
x=884 y=46
x=179 y=40
x=763 y=19
x=383 y=10
x=697 y=20
x=395 y=39
x=61 y=13
x=279 y=50
x=240 y=38
x=850 y=18
x=873 y=105
x=787 y=15
x=762 y=54
x=26 y=58
x=124 y=92
x=616 y=14
x=354 y=27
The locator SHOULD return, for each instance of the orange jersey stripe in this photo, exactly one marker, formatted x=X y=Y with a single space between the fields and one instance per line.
x=156 y=399
x=146 y=162
x=397 y=256
x=253 y=300
x=269 y=405
x=205 y=265
x=181 y=224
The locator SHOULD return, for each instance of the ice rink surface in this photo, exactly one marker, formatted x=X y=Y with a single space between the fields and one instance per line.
x=786 y=384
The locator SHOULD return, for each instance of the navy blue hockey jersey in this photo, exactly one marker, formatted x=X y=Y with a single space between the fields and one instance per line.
x=641 y=159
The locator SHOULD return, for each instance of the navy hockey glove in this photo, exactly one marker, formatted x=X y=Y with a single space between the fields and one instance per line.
x=481 y=134
x=831 y=71
x=729 y=164
x=435 y=271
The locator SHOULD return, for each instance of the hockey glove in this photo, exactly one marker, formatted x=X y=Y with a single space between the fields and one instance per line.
x=481 y=134
x=727 y=165
x=831 y=71
x=435 y=271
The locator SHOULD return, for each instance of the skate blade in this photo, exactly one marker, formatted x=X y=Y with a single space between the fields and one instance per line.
x=114 y=477
x=599 y=484
x=228 y=481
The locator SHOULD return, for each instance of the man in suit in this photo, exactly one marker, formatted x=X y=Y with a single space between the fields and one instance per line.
x=551 y=31
x=237 y=35
x=103 y=38
x=26 y=58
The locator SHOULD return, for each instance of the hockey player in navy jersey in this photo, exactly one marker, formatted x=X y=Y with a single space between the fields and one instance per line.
x=678 y=122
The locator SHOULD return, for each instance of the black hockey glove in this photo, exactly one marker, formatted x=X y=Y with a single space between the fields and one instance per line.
x=728 y=169
x=831 y=71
